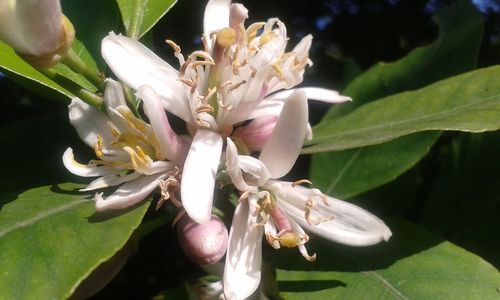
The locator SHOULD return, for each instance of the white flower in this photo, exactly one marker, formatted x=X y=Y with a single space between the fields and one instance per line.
x=235 y=78
x=37 y=29
x=131 y=152
x=283 y=210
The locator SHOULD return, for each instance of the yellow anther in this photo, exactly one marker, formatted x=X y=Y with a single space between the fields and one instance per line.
x=278 y=70
x=253 y=29
x=290 y=240
x=266 y=38
x=98 y=147
x=226 y=37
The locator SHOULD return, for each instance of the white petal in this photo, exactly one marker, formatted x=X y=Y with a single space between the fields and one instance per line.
x=110 y=180
x=252 y=110
x=302 y=48
x=198 y=176
x=283 y=147
x=237 y=16
x=113 y=94
x=254 y=167
x=172 y=147
x=130 y=193
x=313 y=93
x=216 y=15
x=89 y=122
x=244 y=255
x=351 y=225
x=85 y=170
x=233 y=166
x=136 y=65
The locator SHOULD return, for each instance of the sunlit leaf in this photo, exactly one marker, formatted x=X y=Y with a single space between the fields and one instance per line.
x=412 y=265
x=350 y=172
x=140 y=15
x=51 y=237
x=469 y=102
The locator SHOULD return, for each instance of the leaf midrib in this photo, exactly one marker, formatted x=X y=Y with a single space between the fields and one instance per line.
x=402 y=123
x=41 y=216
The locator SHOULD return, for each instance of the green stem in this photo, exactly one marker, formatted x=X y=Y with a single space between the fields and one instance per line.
x=85 y=95
x=75 y=63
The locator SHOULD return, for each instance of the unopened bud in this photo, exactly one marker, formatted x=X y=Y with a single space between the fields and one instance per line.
x=256 y=133
x=37 y=30
x=203 y=243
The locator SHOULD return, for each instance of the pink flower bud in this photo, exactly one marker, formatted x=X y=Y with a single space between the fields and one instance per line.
x=256 y=133
x=203 y=243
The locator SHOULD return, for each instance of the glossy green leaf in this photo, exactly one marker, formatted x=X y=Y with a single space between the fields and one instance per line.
x=453 y=52
x=468 y=212
x=350 y=172
x=11 y=62
x=140 y=15
x=347 y=173
x=469 y=102
x=52 y=238
x=93 y=20
x=414 y=264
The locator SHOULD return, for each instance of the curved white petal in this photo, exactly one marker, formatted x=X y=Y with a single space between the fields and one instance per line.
x=313 y=93
x=130 y=193
x=85 y=170
x=283 y=146
x=252 y=110
x=351 y=224
x=216 y=15
x=113 y=94
x=244 y=254
x=110 y=180
x=136 y=65
x=233 y=167
x=198 y=176
x=173 y=147
x=89 y=122
x=254 y=167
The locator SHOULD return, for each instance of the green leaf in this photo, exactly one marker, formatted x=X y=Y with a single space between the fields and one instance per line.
x=350 y=172
x=139 y=16
x=347 y=173
x=104 y=17
x=468 y=212
x=451 y=104
x=11 y=62
x=412 y=265
x=453 y=52
x=52 y=238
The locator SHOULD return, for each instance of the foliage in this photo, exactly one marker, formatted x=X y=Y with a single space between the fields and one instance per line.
x=430 y=119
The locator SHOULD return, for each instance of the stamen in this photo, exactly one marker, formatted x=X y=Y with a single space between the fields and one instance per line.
x=254 y=71
x=179 y=215
x=301 y=181
x=202 y=123
x=205 y=108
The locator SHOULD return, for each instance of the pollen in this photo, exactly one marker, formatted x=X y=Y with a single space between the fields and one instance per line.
x=226 y=37
x=290 y=240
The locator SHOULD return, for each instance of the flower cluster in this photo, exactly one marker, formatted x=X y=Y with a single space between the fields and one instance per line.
x=246 y=120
